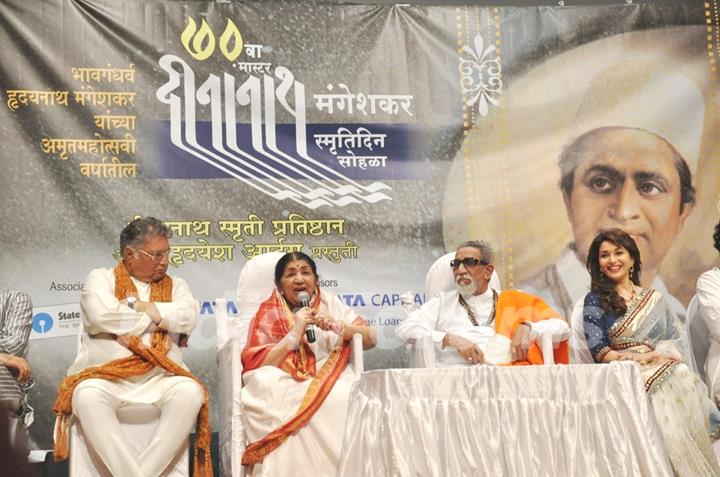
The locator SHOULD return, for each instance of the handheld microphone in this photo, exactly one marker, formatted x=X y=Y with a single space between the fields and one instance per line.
x=304 y=298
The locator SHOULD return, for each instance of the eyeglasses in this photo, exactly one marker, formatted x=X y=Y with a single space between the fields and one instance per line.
x=155 y=257
x=469 y=262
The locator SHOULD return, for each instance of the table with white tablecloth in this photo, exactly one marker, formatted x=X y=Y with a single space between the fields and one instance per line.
x=584 y=420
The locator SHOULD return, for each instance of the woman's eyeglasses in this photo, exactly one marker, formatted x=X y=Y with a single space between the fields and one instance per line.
x=469 y=262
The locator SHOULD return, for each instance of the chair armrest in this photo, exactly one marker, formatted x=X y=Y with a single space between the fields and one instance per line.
x=358 y=363
x=421 y=353
x=231 y=431
x=546 y=345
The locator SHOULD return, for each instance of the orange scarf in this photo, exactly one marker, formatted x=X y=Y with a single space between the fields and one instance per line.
x=514 y=307
x=272 y=322
x=142 y=361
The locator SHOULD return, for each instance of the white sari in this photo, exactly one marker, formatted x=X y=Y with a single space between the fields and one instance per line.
x=678 y=397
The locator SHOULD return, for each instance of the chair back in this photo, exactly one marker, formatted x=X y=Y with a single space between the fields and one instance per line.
x=255 y=284
x=698 y=337
x=439 y=277
x=579 y=350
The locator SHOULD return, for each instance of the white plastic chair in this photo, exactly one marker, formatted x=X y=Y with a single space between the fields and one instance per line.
x=579 y=350
x=256 y=282
x=700 y=340
x=138 y=422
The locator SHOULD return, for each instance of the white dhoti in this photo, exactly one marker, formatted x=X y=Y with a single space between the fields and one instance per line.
x=96 y=402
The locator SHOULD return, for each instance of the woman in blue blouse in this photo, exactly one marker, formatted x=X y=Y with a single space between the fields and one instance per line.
x=624 y=321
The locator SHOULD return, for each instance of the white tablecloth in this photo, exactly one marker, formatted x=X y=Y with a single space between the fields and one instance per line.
x=584 y=420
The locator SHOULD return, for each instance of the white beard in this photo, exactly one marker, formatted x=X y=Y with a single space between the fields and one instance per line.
x=467 y=289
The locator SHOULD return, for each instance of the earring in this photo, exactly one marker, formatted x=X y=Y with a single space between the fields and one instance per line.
x=631 y=269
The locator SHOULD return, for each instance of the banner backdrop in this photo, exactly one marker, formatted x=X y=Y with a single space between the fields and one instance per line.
x=374 y=138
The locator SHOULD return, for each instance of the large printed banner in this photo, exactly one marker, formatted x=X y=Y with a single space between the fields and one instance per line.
x=373 y=138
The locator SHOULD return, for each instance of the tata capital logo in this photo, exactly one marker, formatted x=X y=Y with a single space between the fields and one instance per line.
x=42 y=323
x=201 y=42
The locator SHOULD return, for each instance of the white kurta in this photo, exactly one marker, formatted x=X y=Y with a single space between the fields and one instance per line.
x=444 y=314
x=708 y=293
x=103 y=315
x=270 y=397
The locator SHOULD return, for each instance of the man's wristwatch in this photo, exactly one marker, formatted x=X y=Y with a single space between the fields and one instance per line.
x=131 y=300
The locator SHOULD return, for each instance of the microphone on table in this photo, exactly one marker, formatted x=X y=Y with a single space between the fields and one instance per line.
x=304 y=298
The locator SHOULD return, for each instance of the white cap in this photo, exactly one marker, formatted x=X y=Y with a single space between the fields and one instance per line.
x=649 y=96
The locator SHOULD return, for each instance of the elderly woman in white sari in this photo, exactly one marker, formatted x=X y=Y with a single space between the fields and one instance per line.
x=295 y=391
x=624 y=321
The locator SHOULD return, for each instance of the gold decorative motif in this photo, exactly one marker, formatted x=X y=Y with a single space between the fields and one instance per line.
x=198 y=37
x=231 y=34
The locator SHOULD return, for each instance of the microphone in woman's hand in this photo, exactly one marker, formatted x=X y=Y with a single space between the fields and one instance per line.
x=304 y=298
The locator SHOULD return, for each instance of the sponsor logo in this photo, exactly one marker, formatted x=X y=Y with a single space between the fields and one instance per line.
x=56 y=320
x=42 y=323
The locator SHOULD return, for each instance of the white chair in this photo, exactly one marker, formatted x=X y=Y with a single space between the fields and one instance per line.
x=256 y=282
x=138 y=422
x=579 y=350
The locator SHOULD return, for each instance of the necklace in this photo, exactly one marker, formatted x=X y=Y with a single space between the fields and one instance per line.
x=471 y=314
x=630 y=298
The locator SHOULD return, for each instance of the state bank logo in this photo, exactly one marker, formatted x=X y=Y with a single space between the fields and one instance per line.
x=42 y=323
x=53 y=321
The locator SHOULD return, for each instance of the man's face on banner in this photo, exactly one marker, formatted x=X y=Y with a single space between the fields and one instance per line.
x=627 y=178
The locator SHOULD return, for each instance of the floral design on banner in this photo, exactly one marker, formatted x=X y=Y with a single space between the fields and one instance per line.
x=481 y=75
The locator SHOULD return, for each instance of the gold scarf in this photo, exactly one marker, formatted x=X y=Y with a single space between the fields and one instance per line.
x=142 y=361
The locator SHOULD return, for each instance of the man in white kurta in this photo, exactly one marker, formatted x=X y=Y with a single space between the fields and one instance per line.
x=457 y=339
x=107 y=324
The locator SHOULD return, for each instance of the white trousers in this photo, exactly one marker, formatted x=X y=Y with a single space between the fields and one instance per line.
x=95 y=405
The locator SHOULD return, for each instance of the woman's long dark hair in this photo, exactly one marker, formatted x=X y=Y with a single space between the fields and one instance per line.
x=602 y=286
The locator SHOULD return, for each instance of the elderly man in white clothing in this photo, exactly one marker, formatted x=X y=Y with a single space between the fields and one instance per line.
x=135 y=317
x=475 y=324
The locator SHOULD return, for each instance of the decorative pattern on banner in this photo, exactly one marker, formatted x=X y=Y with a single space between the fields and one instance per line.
x=484 y=124
x=712 y=14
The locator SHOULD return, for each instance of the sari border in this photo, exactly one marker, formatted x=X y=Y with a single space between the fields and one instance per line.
x=658 y=378
x=632 y=344
x=617 y=328
x=601 y=354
